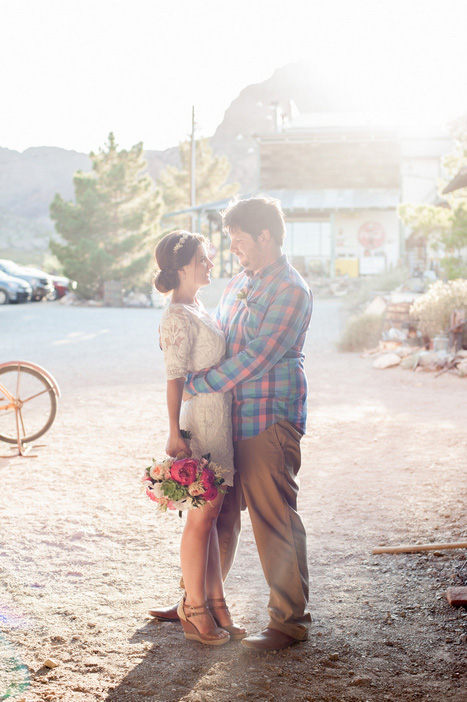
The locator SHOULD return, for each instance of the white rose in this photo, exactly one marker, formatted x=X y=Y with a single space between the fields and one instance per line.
x=157 y=490
x=156 y=471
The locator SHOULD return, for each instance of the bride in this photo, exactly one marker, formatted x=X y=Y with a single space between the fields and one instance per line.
x=192 y=341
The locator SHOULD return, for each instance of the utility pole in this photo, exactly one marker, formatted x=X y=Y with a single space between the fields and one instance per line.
x=193 y=169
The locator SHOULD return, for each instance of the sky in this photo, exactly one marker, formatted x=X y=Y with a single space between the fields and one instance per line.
x=74 y=70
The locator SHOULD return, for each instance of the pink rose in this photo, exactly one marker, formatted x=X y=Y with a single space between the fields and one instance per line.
x=211 y=493
x=207 y=478
x=184 y=471
x=151 y=495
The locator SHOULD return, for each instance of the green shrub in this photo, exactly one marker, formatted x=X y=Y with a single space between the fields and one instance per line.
x=361 y=332
x=433 y=309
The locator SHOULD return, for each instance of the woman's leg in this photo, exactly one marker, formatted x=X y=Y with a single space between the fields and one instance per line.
x=195 y=554
x=214 y=583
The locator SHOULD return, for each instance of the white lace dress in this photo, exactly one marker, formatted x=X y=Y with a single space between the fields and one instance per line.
x=192 y=341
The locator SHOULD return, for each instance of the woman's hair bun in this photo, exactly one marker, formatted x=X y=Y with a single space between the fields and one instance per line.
x=166 y=281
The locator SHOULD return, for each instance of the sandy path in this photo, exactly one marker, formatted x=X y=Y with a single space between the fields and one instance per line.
x=82 y=555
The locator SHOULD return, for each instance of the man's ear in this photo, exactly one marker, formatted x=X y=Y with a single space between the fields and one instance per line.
x=265 y=237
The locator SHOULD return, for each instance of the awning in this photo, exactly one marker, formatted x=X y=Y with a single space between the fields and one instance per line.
x=459 y=181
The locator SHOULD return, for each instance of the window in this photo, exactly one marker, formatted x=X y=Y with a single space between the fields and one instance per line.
x=308 y=239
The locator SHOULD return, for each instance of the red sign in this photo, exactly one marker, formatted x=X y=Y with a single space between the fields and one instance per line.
x=371 y=235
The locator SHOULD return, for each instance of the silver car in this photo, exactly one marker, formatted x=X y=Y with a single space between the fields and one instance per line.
x=13 y=289
x=40 y=282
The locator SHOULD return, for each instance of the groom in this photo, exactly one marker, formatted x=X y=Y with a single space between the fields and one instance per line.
x=264 y=312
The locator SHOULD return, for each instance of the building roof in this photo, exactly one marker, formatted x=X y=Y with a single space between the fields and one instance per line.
x=348 y=199
x=294 y=201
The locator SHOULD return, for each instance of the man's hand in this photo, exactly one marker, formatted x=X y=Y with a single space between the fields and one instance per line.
x=186 y=396
x=176 y=444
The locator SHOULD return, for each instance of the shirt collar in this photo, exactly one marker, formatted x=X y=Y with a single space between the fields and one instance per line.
x=267 y=270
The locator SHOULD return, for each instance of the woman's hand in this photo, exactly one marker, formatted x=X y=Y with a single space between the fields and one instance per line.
x=176 y=444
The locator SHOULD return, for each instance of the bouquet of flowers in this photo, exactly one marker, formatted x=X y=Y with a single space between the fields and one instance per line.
x=182 y=483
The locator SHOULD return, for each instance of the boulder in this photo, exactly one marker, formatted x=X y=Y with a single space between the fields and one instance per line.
x=387 y=360
x=427 y=358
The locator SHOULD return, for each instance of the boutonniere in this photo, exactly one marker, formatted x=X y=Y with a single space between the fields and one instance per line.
x=243 y=294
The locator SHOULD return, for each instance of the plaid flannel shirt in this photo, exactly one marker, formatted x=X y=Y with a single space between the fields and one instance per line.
x=265 y=334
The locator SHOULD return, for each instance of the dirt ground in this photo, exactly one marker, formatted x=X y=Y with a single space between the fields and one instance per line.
x=83 y=555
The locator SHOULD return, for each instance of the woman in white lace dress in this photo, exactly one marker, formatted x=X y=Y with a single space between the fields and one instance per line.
x=191 y=341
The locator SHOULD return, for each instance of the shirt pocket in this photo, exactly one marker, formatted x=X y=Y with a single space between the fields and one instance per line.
x=254 y=314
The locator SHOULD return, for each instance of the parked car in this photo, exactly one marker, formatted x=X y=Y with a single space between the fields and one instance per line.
x=13 y=289
x=62 y=286
x=40 y=282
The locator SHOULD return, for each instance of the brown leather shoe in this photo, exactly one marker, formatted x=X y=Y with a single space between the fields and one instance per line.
x=269 y=640
x=167 y=614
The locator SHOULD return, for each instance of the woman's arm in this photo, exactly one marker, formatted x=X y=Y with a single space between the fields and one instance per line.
x=176 y=443
x=286 y=318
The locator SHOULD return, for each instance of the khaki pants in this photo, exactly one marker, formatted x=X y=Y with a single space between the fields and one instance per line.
x=267 y=466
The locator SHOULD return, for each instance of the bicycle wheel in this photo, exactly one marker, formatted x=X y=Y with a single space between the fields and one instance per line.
x=35 y=400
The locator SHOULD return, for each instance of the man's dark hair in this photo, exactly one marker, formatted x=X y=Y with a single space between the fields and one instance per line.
x=254 y=215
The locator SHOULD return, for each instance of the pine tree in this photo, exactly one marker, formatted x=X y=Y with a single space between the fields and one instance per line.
x=210 y=180
x=109 y=231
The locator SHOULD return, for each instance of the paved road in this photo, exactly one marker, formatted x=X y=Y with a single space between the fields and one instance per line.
x=94 y=347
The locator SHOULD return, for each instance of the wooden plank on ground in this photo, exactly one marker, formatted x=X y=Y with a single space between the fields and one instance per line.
x=414 y=548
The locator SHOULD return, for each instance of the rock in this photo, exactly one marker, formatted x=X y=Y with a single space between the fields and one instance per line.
x=457 y=596
x=57 y=639
x=50 y=663
x=82 y=533
x=376 y=306
x=427 y=358
x=387 y=361
x=333 y=656
x=69 y=299
x=360 y=681
x=409 y=362
x=462 y=369
x=396 y=334
x=405 y=351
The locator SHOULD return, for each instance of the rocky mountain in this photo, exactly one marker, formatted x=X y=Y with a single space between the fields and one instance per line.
x=28 y=183
x=29 y=180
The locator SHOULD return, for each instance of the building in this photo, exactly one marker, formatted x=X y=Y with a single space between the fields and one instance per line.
x=340 y=179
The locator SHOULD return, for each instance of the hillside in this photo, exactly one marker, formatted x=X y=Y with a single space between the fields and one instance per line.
x=29 y=180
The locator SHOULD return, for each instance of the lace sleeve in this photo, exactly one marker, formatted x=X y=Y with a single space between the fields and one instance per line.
x=176 y=333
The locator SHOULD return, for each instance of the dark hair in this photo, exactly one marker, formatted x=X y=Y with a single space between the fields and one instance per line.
x=254 y=215
x=170 y=261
